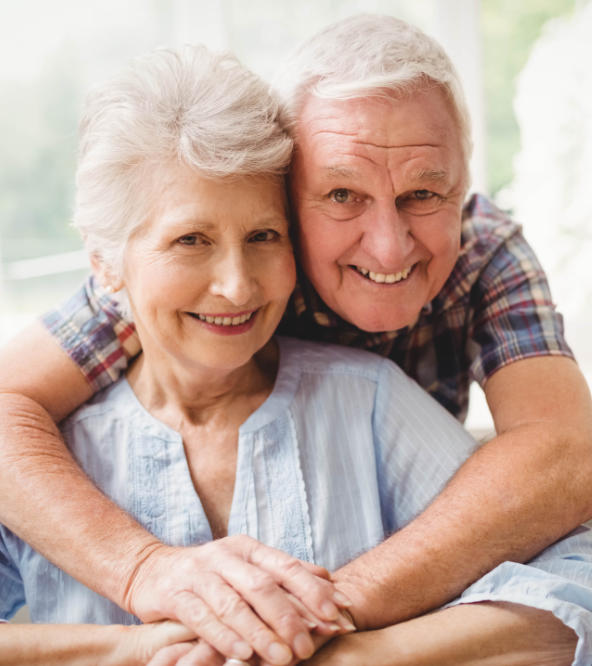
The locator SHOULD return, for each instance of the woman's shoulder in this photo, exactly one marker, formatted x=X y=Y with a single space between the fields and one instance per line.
x=114 y=403
x=304 y=356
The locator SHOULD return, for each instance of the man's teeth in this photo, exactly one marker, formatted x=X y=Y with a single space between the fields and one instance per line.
x=226 y=321
x=389 y=278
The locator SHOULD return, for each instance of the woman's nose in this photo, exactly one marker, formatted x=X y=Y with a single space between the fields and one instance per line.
x=234 y=278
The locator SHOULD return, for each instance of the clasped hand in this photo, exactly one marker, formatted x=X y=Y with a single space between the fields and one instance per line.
x=241 y=597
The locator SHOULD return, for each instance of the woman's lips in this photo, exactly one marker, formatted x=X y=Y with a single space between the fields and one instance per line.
x=226 y=323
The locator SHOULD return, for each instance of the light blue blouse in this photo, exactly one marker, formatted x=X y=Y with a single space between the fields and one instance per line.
x=346 y=450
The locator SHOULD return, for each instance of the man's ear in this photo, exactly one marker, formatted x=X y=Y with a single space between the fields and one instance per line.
x=105 y=275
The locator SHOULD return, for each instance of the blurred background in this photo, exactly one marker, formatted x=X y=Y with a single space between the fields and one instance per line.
x=525 y=66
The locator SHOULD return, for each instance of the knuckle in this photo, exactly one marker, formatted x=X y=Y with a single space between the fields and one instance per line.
x=292 y=568
x=287 y=622
x=261 y=583
x=259 y=636
x=229 y=607
x=196 y=615
x=218 y=635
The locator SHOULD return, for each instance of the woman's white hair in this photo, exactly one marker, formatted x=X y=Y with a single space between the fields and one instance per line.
x=191 y=107
x=369 y=55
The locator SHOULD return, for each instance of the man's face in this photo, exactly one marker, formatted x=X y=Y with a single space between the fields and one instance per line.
x=378 y=186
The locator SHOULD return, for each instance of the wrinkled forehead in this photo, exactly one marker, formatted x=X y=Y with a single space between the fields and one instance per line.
x=423 y=120
x=381 y=118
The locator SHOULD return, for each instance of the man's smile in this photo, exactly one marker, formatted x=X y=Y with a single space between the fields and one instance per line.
x=383 y=278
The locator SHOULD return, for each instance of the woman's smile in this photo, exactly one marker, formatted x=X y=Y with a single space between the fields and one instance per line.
x=227 y=323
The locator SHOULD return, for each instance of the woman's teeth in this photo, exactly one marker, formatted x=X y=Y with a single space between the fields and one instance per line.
x=226 y=321
x=389 y=278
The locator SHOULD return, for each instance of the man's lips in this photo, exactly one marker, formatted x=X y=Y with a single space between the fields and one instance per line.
x=383 y=278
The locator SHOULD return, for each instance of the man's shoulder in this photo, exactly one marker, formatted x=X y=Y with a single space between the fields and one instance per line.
x=486 y=232
x=485 y=227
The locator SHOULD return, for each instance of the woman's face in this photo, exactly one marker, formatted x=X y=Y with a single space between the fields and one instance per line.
x=210 y=272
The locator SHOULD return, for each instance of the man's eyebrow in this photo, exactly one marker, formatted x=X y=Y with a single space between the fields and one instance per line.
x=431 y=175
x=340 y=171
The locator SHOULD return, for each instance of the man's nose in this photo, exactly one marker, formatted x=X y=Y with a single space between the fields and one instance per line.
x=233 y=277
x=387 y=237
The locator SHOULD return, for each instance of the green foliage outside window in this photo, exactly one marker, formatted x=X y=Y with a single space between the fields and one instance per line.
x=509 y=30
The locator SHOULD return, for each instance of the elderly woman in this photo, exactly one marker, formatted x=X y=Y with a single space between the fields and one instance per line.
x=224 y=436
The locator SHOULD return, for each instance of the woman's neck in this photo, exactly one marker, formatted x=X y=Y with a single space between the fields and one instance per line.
x=181 y=395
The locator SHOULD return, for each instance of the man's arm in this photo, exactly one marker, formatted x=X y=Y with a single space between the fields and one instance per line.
x=499 y=634
x=518 y=493
x=87 y=645
x=40 y=384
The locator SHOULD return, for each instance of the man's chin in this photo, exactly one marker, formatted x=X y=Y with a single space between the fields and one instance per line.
x=379 y=323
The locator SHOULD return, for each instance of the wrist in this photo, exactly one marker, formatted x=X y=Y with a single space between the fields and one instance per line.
x=142 y=565
x=130 y=569
x=356 y=588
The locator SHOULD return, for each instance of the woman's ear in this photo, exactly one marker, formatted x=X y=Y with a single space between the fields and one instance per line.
x=105 y=275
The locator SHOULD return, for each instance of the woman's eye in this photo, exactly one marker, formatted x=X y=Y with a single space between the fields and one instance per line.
x=263 y=236
x=341 y=195
x=190 y=239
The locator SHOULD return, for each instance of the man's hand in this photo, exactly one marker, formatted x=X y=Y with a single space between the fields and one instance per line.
x=235 y=594
x=503 y=634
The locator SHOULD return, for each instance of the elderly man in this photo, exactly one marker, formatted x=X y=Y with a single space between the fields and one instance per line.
x=392 y=260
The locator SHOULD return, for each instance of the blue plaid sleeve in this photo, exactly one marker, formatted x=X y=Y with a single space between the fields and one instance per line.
x=515 y=317
x=92 y=331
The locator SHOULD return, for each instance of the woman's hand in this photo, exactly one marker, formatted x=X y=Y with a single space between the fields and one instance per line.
x=148 y=643
x=191 y=653
x=234 y=593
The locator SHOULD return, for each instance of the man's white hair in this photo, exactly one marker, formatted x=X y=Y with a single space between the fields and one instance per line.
x=369 y=55
x=189 y=107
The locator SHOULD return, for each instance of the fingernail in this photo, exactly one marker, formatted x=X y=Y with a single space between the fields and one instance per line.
x=242 y=650
x=329 y=610
x=348 y=626
x=303 y=645
x=341 y=600
x=333 y=627
x=279 y=654
x=310 y=624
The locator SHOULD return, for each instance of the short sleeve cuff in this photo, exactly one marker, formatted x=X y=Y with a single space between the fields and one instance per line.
x=91 y=330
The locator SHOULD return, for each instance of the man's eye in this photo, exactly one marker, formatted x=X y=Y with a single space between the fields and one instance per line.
x=265 y=235
x=420 y=202
x=340 y=195
x=423 y=195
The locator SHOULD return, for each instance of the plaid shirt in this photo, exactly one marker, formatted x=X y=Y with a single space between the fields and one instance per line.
x=495 y=308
